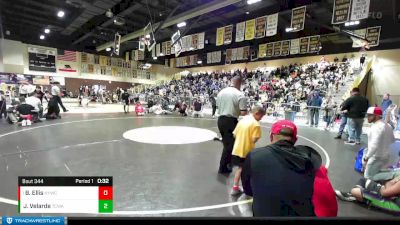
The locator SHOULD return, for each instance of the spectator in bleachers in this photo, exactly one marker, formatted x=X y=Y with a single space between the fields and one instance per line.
x=386 y=102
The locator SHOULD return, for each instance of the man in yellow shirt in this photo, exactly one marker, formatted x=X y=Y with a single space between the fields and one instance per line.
x=246 y=133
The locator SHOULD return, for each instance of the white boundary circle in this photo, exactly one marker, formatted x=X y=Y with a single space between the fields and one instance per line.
x=153 y=212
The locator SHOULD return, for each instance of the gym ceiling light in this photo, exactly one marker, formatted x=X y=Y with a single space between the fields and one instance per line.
x=249 y=2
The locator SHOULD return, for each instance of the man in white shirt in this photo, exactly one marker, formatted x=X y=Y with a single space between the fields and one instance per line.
x=35 y=102
x=55 y=92
x=380 y=137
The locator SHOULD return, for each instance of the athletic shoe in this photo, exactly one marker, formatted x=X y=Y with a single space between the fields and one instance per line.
x=338 y=137
x=28 y=123
x=350 y=143
x=236 y=191
x=345 y=196
x=23 y=123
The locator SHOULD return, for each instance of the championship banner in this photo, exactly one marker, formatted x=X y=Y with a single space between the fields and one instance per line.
x=298 y=18
x=189 y=43
x=270 y=49
x=218 y=56
x=228 y=58
x=277 y=48
x=220 y=36
x=168 y=50
x=42 y=59
x=295 y=46
x=234 y=54
x=191 y=60
x=341 y=11
x=240 y=30
x=164 y=48
x=262 y=50
x=195 y=41
x=314 y=44
x=195 y=59
x=209 y=58
x=200 y=41
x=261 y=24
x=373 y=36
x=250 y=29
x=246 y=52
x=103 y=60
x=184 y=44
x=360 y=10
x=304 y=42
x=272 y=25
x=228 y=34
x=127 y=56
x=84 y=57
x=90 y=57
x=158 y=50
x=239 y=53
x=172 y=63
x=285 y=48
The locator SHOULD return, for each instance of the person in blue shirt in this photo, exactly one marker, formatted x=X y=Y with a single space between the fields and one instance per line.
x=386 y=102
x=314 y=104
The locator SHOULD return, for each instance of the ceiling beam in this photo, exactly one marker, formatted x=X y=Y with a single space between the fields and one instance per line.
x=203 y=9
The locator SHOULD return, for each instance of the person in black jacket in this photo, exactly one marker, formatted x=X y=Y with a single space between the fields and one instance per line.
x=355 y=107
x=280 y=176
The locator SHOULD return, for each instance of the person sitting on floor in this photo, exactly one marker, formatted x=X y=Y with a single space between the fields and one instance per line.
x=35 y=102
x=139 y=109
x=383 y=192
x=182 y=109
x=25 y=112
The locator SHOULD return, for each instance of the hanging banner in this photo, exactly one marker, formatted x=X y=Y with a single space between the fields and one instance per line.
x=200 y=44
x=209 y=57
x=234 y=54
x=261 y=24
x=373 y=36
x=304 y=42
x=185 y=46
x=314 y=44
x=164 y=48
x=240 y=30
x=298 y=18
x=285 y=48
x=272 y=25
x=360 y=10
x=246 y=52
x=168 y=50
x=158 y=50
x=42 y=59
x=295 y=46
x=239 y=55
x=341 y=11
x=189 y=43
x=262 y=50
x=228 y=34
x=250 y=29
x=228 y=58
x=103 y=60
x=270 y=49
x=191 y=60
x=220 y=36
x=277 y=48
x=218 y=56
x=195 y=41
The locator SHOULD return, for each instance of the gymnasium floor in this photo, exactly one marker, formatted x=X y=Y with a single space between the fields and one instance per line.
x=150 y=179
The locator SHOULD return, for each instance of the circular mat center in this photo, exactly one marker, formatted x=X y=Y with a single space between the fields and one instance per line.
x=170 y=135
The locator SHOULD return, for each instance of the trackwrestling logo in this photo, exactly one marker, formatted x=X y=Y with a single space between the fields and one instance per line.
x=32 y=220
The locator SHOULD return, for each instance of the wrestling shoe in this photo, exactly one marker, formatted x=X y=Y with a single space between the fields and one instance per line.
x=345 y=196
x=236 y=190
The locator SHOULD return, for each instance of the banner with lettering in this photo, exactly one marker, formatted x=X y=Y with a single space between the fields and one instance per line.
x=228 y=58
x=262 y=50
x=358 y=42
x=360 y=10
x=314 y=44
x=298 y=18
x=228 y=34
x=200 y=44
x=168 y=50
x=158 y=50
x=246 y=52
x=341 y=11
x=304 y=42
x=261 y=24
x=277 y=48
x=250 y=29
x=373 y=35
x=240 y=54
x=285 y=48
x=164 y=48
x=270 y=49
x=195 y=41
x=220 y=36
x=234 y=54
x=272 y=25
x=240 y=30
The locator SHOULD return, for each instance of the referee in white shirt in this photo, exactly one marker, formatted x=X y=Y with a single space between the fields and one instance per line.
x=55 y=92
x=231 y=103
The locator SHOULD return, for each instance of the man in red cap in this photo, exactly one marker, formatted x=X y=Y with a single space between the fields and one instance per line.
x=281 y=176
x=380 y=137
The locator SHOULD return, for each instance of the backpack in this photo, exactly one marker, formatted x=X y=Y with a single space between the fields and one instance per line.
x=358 y=163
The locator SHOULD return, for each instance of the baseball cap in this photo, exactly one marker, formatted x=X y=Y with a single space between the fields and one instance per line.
x=284 y=124
x=375 y=111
